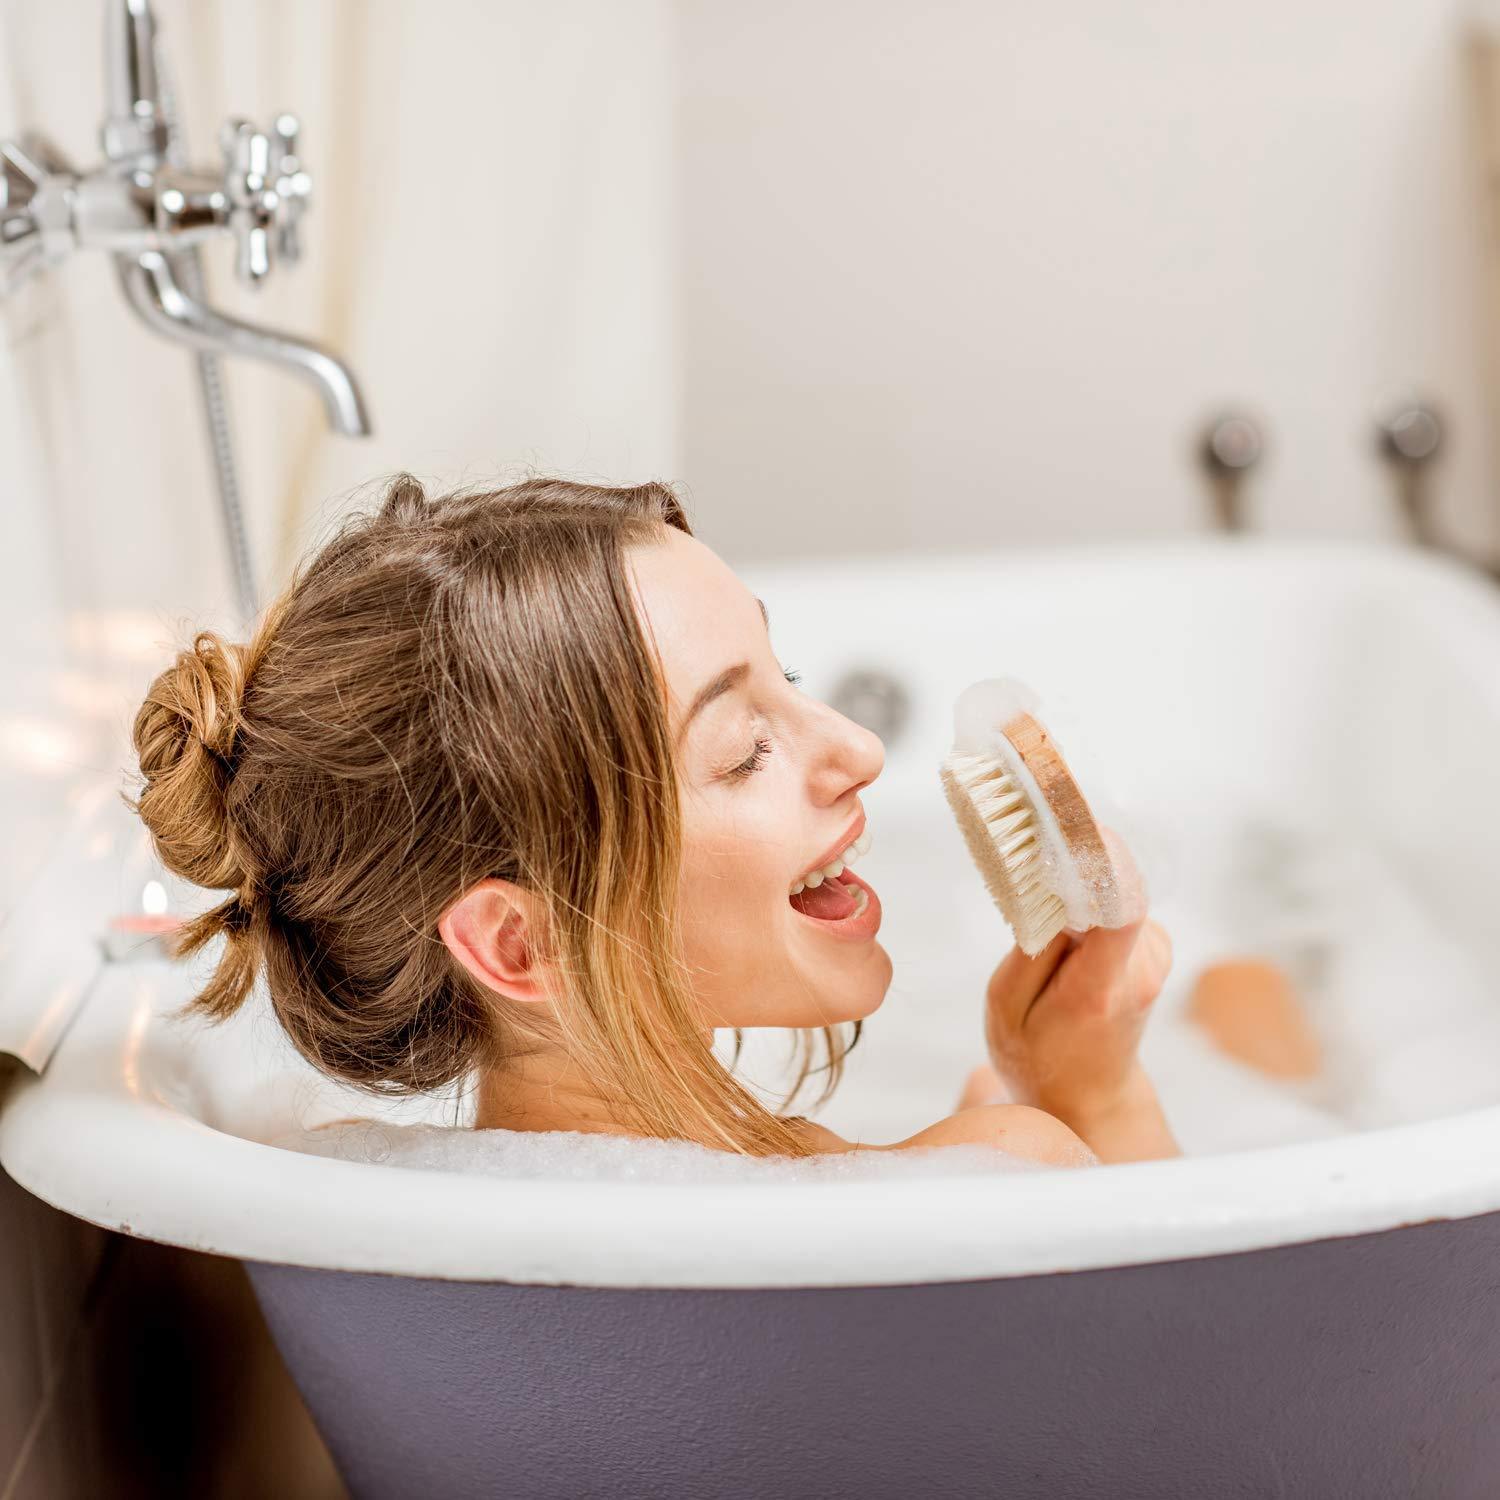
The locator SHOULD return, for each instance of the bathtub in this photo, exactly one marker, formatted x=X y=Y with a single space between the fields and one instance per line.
x=1308 y=1304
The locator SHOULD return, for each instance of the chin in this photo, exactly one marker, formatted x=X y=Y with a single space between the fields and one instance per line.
x=852 y=997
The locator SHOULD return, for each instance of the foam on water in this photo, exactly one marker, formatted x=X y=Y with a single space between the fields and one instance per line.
x=568 y=1155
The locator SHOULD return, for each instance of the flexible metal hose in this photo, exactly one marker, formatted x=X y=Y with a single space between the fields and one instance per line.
x=188 y=267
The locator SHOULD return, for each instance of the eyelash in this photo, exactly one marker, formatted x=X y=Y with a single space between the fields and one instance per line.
x=757 y=757
x=754 y=761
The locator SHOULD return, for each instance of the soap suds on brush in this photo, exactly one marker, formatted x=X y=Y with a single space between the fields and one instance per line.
x=984 y=708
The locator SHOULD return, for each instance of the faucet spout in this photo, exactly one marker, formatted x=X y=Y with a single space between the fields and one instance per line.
x=152 y=288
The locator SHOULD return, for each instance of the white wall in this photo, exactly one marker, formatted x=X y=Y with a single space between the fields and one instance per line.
x=972 y=272
x=861 y=274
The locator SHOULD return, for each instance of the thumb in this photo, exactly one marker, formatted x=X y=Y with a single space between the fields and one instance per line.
x=1021 y=978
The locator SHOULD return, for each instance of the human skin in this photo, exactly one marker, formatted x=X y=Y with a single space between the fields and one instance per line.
x=770 y=780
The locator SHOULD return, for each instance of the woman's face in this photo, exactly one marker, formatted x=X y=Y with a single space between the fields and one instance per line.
x=770 y=781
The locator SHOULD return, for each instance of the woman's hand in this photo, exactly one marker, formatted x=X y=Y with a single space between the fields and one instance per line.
x=1063 y=1030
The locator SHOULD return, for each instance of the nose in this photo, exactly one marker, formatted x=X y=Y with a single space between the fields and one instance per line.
x=848 y=757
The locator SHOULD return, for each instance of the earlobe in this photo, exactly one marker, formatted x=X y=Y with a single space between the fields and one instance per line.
x=490 y=932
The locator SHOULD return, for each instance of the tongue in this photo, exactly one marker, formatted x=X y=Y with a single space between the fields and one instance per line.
x=828 y=902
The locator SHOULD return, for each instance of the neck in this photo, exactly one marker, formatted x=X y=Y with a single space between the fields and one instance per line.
x=546 y=1089
x=542 y=1090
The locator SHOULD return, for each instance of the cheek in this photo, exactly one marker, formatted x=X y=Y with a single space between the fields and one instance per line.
x=755 y=962
x=735 y=867
x=734 y=880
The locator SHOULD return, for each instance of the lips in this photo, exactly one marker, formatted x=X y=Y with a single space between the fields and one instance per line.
x=851 y=833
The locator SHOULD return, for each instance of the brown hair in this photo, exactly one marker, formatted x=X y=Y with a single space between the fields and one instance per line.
x=452 y=689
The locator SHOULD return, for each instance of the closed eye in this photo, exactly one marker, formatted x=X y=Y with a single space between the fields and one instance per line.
x=757 y=757
x=754 y=761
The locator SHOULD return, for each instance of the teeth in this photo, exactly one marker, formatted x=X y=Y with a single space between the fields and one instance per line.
x=834 y=867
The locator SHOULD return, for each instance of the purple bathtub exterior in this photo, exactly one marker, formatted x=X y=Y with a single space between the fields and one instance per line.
x=1365 y=1368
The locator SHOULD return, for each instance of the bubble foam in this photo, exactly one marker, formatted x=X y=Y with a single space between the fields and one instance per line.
x=570 y=1155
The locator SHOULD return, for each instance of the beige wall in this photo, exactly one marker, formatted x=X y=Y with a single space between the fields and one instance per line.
x=972 y=272
x=858 y=274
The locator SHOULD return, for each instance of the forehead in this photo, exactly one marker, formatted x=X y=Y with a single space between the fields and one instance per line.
x=700 y=615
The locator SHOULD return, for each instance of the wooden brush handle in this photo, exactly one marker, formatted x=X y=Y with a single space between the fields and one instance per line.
x=1079 y=830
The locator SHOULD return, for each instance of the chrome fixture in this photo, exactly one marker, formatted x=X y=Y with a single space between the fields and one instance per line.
x=1410 y=437
x=873 y=699
x=1229 y=449
x=152 y=211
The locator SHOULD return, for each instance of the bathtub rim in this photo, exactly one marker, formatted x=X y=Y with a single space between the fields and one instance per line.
x=169 y=1176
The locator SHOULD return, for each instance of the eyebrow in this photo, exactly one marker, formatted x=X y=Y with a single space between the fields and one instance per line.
x=727 y=680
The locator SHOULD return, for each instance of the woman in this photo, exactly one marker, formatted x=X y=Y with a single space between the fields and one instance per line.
x=509 y=786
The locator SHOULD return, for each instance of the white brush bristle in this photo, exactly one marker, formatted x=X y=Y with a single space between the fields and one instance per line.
x=1000 y=827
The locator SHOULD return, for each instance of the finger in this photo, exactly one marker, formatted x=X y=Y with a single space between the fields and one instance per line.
x=1163 y=942
x=1152 y=960
x=1021 y=977
x=1098 y=964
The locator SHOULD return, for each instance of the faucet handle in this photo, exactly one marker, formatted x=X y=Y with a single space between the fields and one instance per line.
x=293 y=187
x=253 y=202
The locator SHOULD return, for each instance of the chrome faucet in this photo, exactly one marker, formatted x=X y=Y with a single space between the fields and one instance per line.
x=151 y=210
x=1410 y=438
x=144 y=206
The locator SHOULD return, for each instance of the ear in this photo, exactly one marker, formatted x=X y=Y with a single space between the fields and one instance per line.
x=492 y=931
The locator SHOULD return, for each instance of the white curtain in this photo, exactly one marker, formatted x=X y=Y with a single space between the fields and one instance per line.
x=489 y=246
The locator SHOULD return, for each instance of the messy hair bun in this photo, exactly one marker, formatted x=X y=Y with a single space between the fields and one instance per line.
x=185 y=738
x=184 y=735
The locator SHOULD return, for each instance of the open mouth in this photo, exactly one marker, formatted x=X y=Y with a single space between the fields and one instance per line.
x=849 y=910
x=833 y=900
x=835 y=897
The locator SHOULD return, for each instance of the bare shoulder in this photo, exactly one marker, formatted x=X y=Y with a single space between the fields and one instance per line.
x=821 y=1138
x=1016 y=1128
